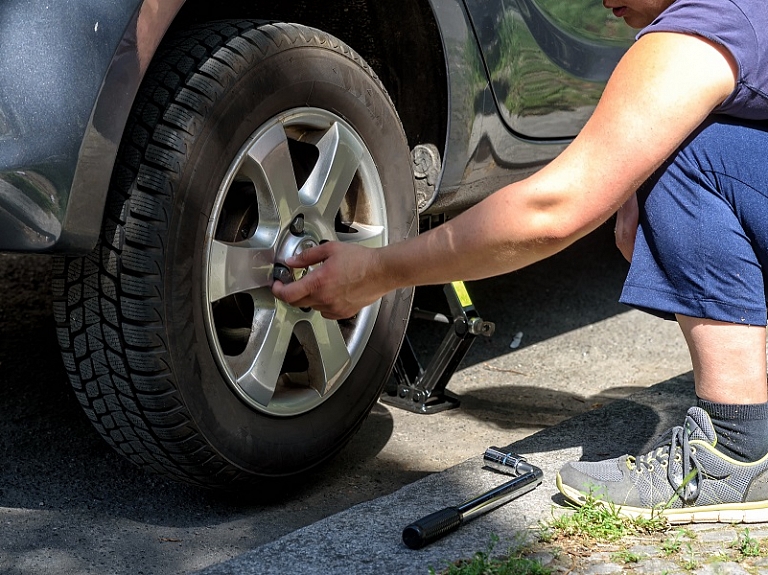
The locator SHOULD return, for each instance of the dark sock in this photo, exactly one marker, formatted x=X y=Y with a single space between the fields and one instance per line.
x=742 y=430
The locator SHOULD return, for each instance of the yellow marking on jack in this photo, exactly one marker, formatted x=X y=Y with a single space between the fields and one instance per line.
x=462 y=294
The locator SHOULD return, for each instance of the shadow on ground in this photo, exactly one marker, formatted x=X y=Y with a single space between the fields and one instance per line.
x=575 y=288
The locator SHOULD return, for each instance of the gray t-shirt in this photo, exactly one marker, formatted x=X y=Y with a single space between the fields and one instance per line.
x=741 y=26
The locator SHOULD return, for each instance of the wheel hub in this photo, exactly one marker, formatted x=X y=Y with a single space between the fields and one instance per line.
x=292 y=246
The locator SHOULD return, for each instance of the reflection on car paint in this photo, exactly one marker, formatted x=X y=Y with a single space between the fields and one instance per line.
x=548 y=60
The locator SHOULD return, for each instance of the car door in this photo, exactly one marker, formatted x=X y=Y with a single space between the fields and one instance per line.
x=547 y=60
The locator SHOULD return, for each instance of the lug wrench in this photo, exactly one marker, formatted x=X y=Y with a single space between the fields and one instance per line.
x=432 y=527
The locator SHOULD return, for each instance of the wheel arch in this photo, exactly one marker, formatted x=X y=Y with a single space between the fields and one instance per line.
x=399 y=39
x=98 y=150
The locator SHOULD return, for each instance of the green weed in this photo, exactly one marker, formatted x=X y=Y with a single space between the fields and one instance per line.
x=483 y=564
x=671 y=545
x=746 y=545
x=626 y=556
x=690 y=561
x=674 y=543
x=602 y=522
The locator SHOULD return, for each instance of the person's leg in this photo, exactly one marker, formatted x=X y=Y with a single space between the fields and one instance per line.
x=700 y=257
x=729 y=367
x=729 y=360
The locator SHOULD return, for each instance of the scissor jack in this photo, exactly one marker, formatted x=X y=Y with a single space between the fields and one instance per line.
x=422 y=390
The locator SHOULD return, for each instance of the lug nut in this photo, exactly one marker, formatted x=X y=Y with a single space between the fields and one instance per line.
x=297 y=225
x=282 y=273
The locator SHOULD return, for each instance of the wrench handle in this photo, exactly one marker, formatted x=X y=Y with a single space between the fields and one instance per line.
x=432 y=527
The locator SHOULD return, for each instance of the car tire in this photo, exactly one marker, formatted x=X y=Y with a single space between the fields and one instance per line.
x=248 y=142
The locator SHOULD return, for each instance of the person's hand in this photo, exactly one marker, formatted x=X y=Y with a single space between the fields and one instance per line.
x=341 y=280
x=627 y=219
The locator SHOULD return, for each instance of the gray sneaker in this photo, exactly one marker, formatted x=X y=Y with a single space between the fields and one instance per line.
x=683 y=478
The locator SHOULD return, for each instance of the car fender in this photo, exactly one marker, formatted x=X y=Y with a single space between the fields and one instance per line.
x=481 y=153
x=71 y=71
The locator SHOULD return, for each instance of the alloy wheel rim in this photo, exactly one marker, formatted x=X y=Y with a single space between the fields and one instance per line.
x=302 y=178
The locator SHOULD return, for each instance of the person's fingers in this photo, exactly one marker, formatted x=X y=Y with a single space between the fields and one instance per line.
x=311 y=256
x=278 y=290
x=338 y=288
x=295 y=293
x=298 y=293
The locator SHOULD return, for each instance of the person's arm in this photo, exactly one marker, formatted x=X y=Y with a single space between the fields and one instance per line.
x=660 y=92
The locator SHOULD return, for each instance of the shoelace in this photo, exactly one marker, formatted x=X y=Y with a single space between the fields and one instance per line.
x=686 y=486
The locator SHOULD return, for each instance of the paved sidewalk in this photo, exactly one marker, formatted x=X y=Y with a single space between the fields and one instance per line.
x=366 y=539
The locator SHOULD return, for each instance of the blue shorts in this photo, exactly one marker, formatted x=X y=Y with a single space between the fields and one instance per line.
x=702 y=246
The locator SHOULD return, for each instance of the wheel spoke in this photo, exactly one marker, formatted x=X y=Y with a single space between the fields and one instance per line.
x=326 y=351
x=258 y=367
x=339 y=160
x=368 y=236
x=238 y=267
x=268 y=164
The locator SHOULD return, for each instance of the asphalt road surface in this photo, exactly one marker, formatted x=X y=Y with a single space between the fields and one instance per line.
x=70 y=505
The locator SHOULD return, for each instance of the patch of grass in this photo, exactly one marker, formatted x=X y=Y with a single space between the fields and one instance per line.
x=483 y=564
x=671 y=545
x=690 y=560
x=626 y=556
x=602 y=522
x=686 y=532
x=746 y=545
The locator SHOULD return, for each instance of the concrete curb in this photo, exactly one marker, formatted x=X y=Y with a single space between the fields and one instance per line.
x=366 y=539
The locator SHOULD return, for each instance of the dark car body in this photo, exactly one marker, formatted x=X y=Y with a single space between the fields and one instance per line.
x=174 y=155
x=497 y=87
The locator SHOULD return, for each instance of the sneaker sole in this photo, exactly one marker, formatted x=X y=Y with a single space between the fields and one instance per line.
x=752 y=512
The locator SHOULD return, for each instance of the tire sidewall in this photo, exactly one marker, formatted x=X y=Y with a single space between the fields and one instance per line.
x=307 y=76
